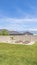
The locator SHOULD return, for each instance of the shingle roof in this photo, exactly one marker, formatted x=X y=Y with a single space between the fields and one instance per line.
x=28 y=33
x=17 y=33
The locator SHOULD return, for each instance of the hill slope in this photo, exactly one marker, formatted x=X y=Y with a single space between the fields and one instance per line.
x=18 y=54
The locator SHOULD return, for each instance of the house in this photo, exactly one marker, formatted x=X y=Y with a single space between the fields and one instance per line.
x=17 y=37
x=21 y=37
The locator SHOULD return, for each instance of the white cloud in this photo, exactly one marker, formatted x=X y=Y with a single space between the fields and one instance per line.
x=31 y=29
x=15 y=24
x=18 y=20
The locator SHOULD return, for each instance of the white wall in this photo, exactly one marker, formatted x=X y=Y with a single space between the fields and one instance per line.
x=8 y=39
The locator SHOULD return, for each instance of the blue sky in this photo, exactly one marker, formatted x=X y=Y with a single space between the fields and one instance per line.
x=18 y=15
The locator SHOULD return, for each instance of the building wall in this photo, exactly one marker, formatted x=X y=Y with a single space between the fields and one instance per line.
x=25 y=38
x=17 y=38
x=5 y=39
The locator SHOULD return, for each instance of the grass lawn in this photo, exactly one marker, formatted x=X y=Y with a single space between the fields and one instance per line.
x=11 y=54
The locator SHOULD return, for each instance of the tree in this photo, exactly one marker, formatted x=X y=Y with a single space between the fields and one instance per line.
x=4 y=32
x=0 y=33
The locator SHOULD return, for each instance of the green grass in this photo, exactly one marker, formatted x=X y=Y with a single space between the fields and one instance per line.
x=11 y=54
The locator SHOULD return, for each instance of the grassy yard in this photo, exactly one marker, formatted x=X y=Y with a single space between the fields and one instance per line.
x=11 y=54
